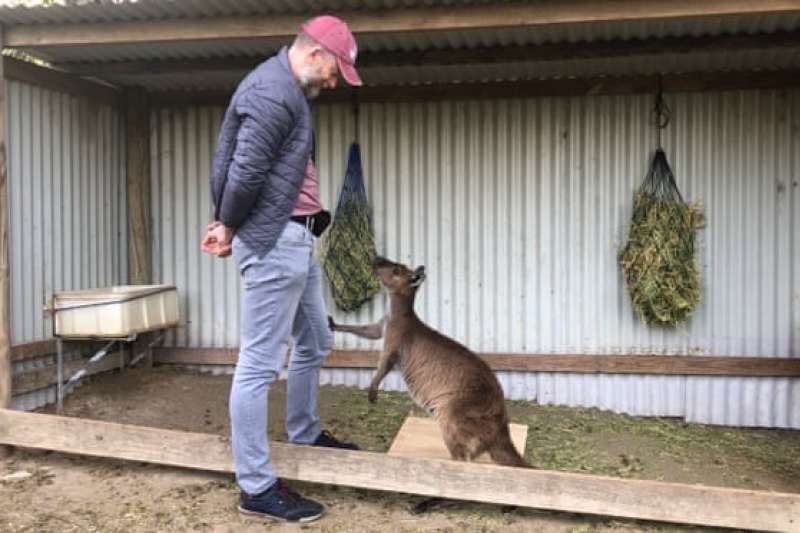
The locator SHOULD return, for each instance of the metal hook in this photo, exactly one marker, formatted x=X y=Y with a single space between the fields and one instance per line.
x=661 y=115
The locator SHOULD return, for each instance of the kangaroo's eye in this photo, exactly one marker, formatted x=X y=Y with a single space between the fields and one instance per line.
x=396 y=271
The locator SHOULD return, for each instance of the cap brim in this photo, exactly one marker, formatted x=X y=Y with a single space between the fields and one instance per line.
x=349 y=73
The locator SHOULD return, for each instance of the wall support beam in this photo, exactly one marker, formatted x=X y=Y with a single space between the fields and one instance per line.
x=5 y=300
x=639 y=84
x=584 y=364
x=140 y=231
x=58 y=80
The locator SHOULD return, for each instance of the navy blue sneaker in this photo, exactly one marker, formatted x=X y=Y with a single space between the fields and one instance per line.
x=326 y=440
x=279 y=502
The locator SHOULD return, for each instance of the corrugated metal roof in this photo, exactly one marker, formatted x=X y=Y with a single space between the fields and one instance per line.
x=143 y=10
x=721 y=60
x=413 y=41
x=32 y=12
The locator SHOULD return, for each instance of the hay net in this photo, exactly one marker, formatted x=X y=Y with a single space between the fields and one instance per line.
x=658 y=261
x=348 y=249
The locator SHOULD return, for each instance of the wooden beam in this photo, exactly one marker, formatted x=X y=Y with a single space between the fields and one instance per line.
x=31 y=350
x=196 y=356
x=649 y=364
x=5 y=299
x=439 y=18
x=463 y=56
x=41 y=378
x=689 y=82
x=576 y=493
x=57 y=80
x=591 y=364
x=140 y=253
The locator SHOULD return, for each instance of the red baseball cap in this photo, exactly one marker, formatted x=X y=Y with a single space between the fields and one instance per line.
x=333 y=34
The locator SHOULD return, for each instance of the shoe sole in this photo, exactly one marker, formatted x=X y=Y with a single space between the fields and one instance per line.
x=265 y=516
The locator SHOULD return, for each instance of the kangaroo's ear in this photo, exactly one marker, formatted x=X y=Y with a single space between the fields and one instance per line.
x=419 y=277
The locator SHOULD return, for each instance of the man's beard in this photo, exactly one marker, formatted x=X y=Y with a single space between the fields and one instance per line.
x=309 y=85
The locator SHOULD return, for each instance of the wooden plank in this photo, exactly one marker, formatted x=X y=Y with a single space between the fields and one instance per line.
x=140 y=253
x=421 y=438
x=105 y=439
x=229 y=356
x=592 y=364
x=57 y=80
x=46 y=376
x=196 y=356
x=352 y=359
x=32 y=350
x=688 y=82
x=472 y=56
x=648 y=500
x=381 y=21
x=649 y=364
x=5 y=298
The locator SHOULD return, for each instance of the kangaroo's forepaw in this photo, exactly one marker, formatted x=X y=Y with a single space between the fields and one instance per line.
x=372 y=395
x=331 y=323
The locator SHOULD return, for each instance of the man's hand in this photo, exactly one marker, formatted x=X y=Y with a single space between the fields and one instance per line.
x=217 y=240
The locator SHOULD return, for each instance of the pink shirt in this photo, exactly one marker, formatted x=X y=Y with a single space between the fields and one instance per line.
x=308 y=202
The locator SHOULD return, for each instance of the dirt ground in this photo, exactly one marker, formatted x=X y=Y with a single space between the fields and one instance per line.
x=44 y=491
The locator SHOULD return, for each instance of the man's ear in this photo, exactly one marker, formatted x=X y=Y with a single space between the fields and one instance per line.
x=315 y=52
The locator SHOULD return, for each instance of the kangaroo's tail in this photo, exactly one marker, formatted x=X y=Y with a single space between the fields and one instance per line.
x=504 y=453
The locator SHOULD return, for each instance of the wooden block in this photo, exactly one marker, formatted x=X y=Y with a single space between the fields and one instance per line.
x=421 y=438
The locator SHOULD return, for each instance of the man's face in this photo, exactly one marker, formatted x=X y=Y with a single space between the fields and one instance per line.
x=319 y=72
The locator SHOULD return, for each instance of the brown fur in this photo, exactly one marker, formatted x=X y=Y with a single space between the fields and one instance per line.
x=457 y=387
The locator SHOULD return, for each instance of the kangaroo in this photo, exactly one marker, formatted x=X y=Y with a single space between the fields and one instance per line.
x=444 y=377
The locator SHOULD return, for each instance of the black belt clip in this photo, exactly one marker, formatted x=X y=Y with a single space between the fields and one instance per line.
x=316 y=223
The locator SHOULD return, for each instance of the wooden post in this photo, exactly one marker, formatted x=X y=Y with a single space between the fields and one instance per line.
x=5 y=341
x=140 y=233
x=140 y=251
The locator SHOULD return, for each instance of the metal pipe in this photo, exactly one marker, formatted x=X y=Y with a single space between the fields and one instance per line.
x=59 y=374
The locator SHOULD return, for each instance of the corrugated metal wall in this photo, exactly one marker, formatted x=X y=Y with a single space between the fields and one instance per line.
x=182 y=144
x=518 y=208
x=67 y=203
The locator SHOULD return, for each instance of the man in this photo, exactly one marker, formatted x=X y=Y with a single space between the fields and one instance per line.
x=268 y=214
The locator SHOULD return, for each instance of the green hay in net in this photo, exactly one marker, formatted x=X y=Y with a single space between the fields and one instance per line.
x=348 y=248
x=658 y=260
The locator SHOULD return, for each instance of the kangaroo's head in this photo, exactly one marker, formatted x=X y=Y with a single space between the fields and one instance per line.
x=398 y=278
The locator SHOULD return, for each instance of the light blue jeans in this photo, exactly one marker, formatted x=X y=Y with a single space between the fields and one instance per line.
x=281 y=296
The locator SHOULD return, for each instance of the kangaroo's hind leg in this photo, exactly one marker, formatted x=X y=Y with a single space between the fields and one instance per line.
x=459 y=451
